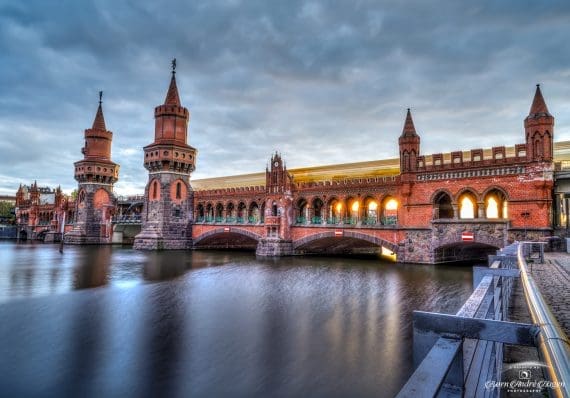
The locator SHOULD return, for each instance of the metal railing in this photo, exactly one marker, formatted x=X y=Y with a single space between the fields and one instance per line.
x=128 y=219
x=553 y=344
x=457 y=355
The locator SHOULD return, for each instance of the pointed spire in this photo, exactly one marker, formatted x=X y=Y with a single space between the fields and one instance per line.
x=538 y=107
x=99 y=122
x=172 y=97
x=409 y=128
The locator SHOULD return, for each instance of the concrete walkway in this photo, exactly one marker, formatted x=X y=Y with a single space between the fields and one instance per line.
x=553 y=279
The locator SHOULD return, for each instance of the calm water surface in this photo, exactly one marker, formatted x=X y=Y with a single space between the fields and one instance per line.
x=114 y=322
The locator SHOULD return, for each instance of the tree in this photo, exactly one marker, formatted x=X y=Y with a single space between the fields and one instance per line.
x=7 y=212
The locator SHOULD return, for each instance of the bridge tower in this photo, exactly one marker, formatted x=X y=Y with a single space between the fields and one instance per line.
x=279 y=211
x=168 y=199
x=539 y=130
x=96 y=174
x=409 y=143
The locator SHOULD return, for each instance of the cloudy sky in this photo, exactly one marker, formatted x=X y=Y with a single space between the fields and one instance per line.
x=322 y=82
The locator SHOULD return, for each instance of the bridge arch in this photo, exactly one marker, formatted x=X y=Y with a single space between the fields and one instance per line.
x=307 y=240
x=464 y=251
x=224 y=231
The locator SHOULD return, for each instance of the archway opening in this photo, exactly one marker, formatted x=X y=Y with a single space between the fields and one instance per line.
x=370 y=211
x=443 y=206
x=389 y=211
x=317 y=217
x=254 y=213
x=467 y=253
x=467 y=206
x=496 y=205
x=301 y=210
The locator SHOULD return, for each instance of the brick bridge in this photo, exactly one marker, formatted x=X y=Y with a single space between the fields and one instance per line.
x=420 y=208
x=424 y=209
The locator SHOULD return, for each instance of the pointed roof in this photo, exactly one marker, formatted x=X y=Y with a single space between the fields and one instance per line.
x=538 y=107
x=172 y=97
x=99 y=122
x=409 y=128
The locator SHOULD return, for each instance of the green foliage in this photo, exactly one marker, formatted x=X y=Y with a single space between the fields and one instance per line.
x=7 y=211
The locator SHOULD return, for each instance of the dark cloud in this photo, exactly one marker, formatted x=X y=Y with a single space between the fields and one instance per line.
x=323 y=82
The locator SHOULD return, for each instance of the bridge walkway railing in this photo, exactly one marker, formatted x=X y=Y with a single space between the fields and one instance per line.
x=456 y=355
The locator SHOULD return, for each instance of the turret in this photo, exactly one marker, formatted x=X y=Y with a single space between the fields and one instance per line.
x=96 y=173
x=170 y=150
x=96 y=165
x=409 y=143
x=169 y=201
x=539 y=130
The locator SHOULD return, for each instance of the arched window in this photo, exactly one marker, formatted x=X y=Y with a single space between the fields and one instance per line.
x=317 y=211
x=219 y=212
x=389 y=211
x=537 y=149
x=443 y=207
x=336 y=211
x=301 y=211
x=354 y=210
x=241 y=213
x=178 y=190
x=253 y=216
x=467 y=206
x=495 y=204
x=406 y=161
x=155 y=190
x=274 y=209
x=200 y=212
x=370 y=211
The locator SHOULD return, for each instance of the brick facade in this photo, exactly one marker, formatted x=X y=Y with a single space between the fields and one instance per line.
x=494 y=195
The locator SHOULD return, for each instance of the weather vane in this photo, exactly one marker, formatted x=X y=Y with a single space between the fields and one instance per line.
x=173 y=65
x=100 y=97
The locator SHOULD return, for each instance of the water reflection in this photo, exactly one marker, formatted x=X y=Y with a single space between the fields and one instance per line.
x=210 y=323
x=161 y=266
x=92 y=268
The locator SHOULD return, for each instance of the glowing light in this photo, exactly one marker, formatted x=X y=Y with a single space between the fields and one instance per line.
x=505 y=212
x=389 y=254
x=338 y=207
x=467 y=208
x=492 y=208
x=392 y=204
x=372 y=205
x=355 y=206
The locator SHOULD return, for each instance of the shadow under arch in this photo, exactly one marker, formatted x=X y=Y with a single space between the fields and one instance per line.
x=463 y=252
x=349 y=243
x=227 y=238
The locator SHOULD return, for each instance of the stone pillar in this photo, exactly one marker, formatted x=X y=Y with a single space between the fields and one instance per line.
x=455 y=211
x=481 y=210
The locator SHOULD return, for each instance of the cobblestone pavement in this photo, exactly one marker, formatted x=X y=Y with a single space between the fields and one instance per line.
x=553 y=279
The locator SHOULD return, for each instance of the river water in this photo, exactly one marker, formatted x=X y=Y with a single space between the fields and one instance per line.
x=114 y=322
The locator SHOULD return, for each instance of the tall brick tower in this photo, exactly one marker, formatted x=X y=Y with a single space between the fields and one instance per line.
x=96 y=174
x=539 y=130
x=278 y=210
x=167 y=214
